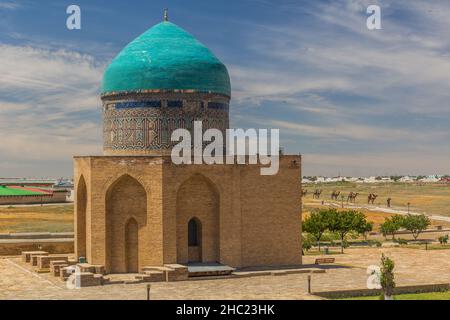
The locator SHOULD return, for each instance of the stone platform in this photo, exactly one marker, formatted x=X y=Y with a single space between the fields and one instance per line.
x=208 y=269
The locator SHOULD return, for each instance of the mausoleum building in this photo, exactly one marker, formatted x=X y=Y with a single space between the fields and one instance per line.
x=135 y=208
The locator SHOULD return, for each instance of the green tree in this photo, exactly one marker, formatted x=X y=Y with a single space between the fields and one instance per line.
x=416 y=224
x=443 y=239
x=346 y=221
x=307 y=243
x=365 y=228
x=387 y=276
x=391 y=225
x=317 y=223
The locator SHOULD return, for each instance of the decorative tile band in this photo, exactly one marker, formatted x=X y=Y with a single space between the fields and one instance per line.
x=139 y=104
x=218 y=105
x=175 y=104
x=150 y=128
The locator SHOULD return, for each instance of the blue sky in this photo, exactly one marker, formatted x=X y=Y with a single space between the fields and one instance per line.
x=350 y=100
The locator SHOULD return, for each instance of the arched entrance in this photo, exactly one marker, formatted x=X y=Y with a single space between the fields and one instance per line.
x=198 y=221
x=80 y=226
x=126 y=215
x=131 y=246
x=194 y=240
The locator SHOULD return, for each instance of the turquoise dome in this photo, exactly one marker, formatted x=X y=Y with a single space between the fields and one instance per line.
x=166 y=57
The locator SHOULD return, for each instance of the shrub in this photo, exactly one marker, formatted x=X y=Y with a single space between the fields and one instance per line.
x=307 y=242
x=443 y=239
x=330 y=236
x=378 y=243
x=345 y=244
x=415 y=224
x=402 y=241
x=317 y=223
x=391 y=225
x=387 y=276
x=330 y=224
x=344 y=222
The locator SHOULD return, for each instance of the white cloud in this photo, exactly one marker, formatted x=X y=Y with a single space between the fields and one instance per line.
x=333 y=84
x=8 y=5
x=339 y=84
x=47 y=102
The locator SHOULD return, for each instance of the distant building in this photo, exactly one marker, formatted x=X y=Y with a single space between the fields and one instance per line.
x=13 y=194
x=24 y=182
x=406 y=179
x=430 y=179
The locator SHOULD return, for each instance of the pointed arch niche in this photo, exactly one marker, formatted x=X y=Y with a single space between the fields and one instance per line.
x=198 y=221
x=126 y=216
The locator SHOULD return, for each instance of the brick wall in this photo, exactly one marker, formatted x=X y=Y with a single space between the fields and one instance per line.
x=16 y=248
x=247 y=219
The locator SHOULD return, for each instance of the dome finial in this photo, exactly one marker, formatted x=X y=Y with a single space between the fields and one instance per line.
x=166 y=14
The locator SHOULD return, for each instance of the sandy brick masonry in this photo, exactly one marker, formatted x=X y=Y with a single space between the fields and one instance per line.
x=133 y=212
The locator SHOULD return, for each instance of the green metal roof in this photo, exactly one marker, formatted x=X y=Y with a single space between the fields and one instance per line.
x=166 y=57
x=6 y=191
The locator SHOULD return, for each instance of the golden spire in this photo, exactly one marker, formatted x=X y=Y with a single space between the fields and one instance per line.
x=166 y=14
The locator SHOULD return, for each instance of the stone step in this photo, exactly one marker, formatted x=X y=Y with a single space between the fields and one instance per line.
x=34 y=258
x=93 y=268
x=155 y=268
x=178 y=273
x=55 y=268
x=89 y=279
x=153 y=276
x=169 y=272
x=43 y=262
x=26 y=255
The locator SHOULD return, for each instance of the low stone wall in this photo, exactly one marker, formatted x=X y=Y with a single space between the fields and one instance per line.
x=36 y=235
x=14 y=243
x=55 y=197
x=375 y=292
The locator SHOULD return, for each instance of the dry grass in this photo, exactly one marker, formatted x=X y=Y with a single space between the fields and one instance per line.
x=429 y=198
x=426 y=198
x=36 y=219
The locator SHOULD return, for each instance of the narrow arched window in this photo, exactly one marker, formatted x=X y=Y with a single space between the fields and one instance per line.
x=192 y=233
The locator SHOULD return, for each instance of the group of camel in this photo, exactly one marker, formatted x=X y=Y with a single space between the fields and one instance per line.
x=351 y=197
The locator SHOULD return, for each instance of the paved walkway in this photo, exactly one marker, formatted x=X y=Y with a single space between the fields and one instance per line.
x=412 y=267
x=387 y=210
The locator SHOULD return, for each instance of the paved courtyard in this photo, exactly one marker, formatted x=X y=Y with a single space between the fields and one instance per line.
x=413 y=267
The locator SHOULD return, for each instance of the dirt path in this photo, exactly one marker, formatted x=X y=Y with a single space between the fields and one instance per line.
x=383 y=209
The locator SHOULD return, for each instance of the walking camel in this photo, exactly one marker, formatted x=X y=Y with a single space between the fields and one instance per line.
x=352 y=196
x=317 y=193
x=371 y=198
x=335 y=194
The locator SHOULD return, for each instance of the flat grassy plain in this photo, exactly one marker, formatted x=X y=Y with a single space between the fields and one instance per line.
x=429 y=198
x=53 y=218
x=445 y=295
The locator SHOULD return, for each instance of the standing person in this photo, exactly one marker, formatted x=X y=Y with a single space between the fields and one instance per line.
x=388 y=202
